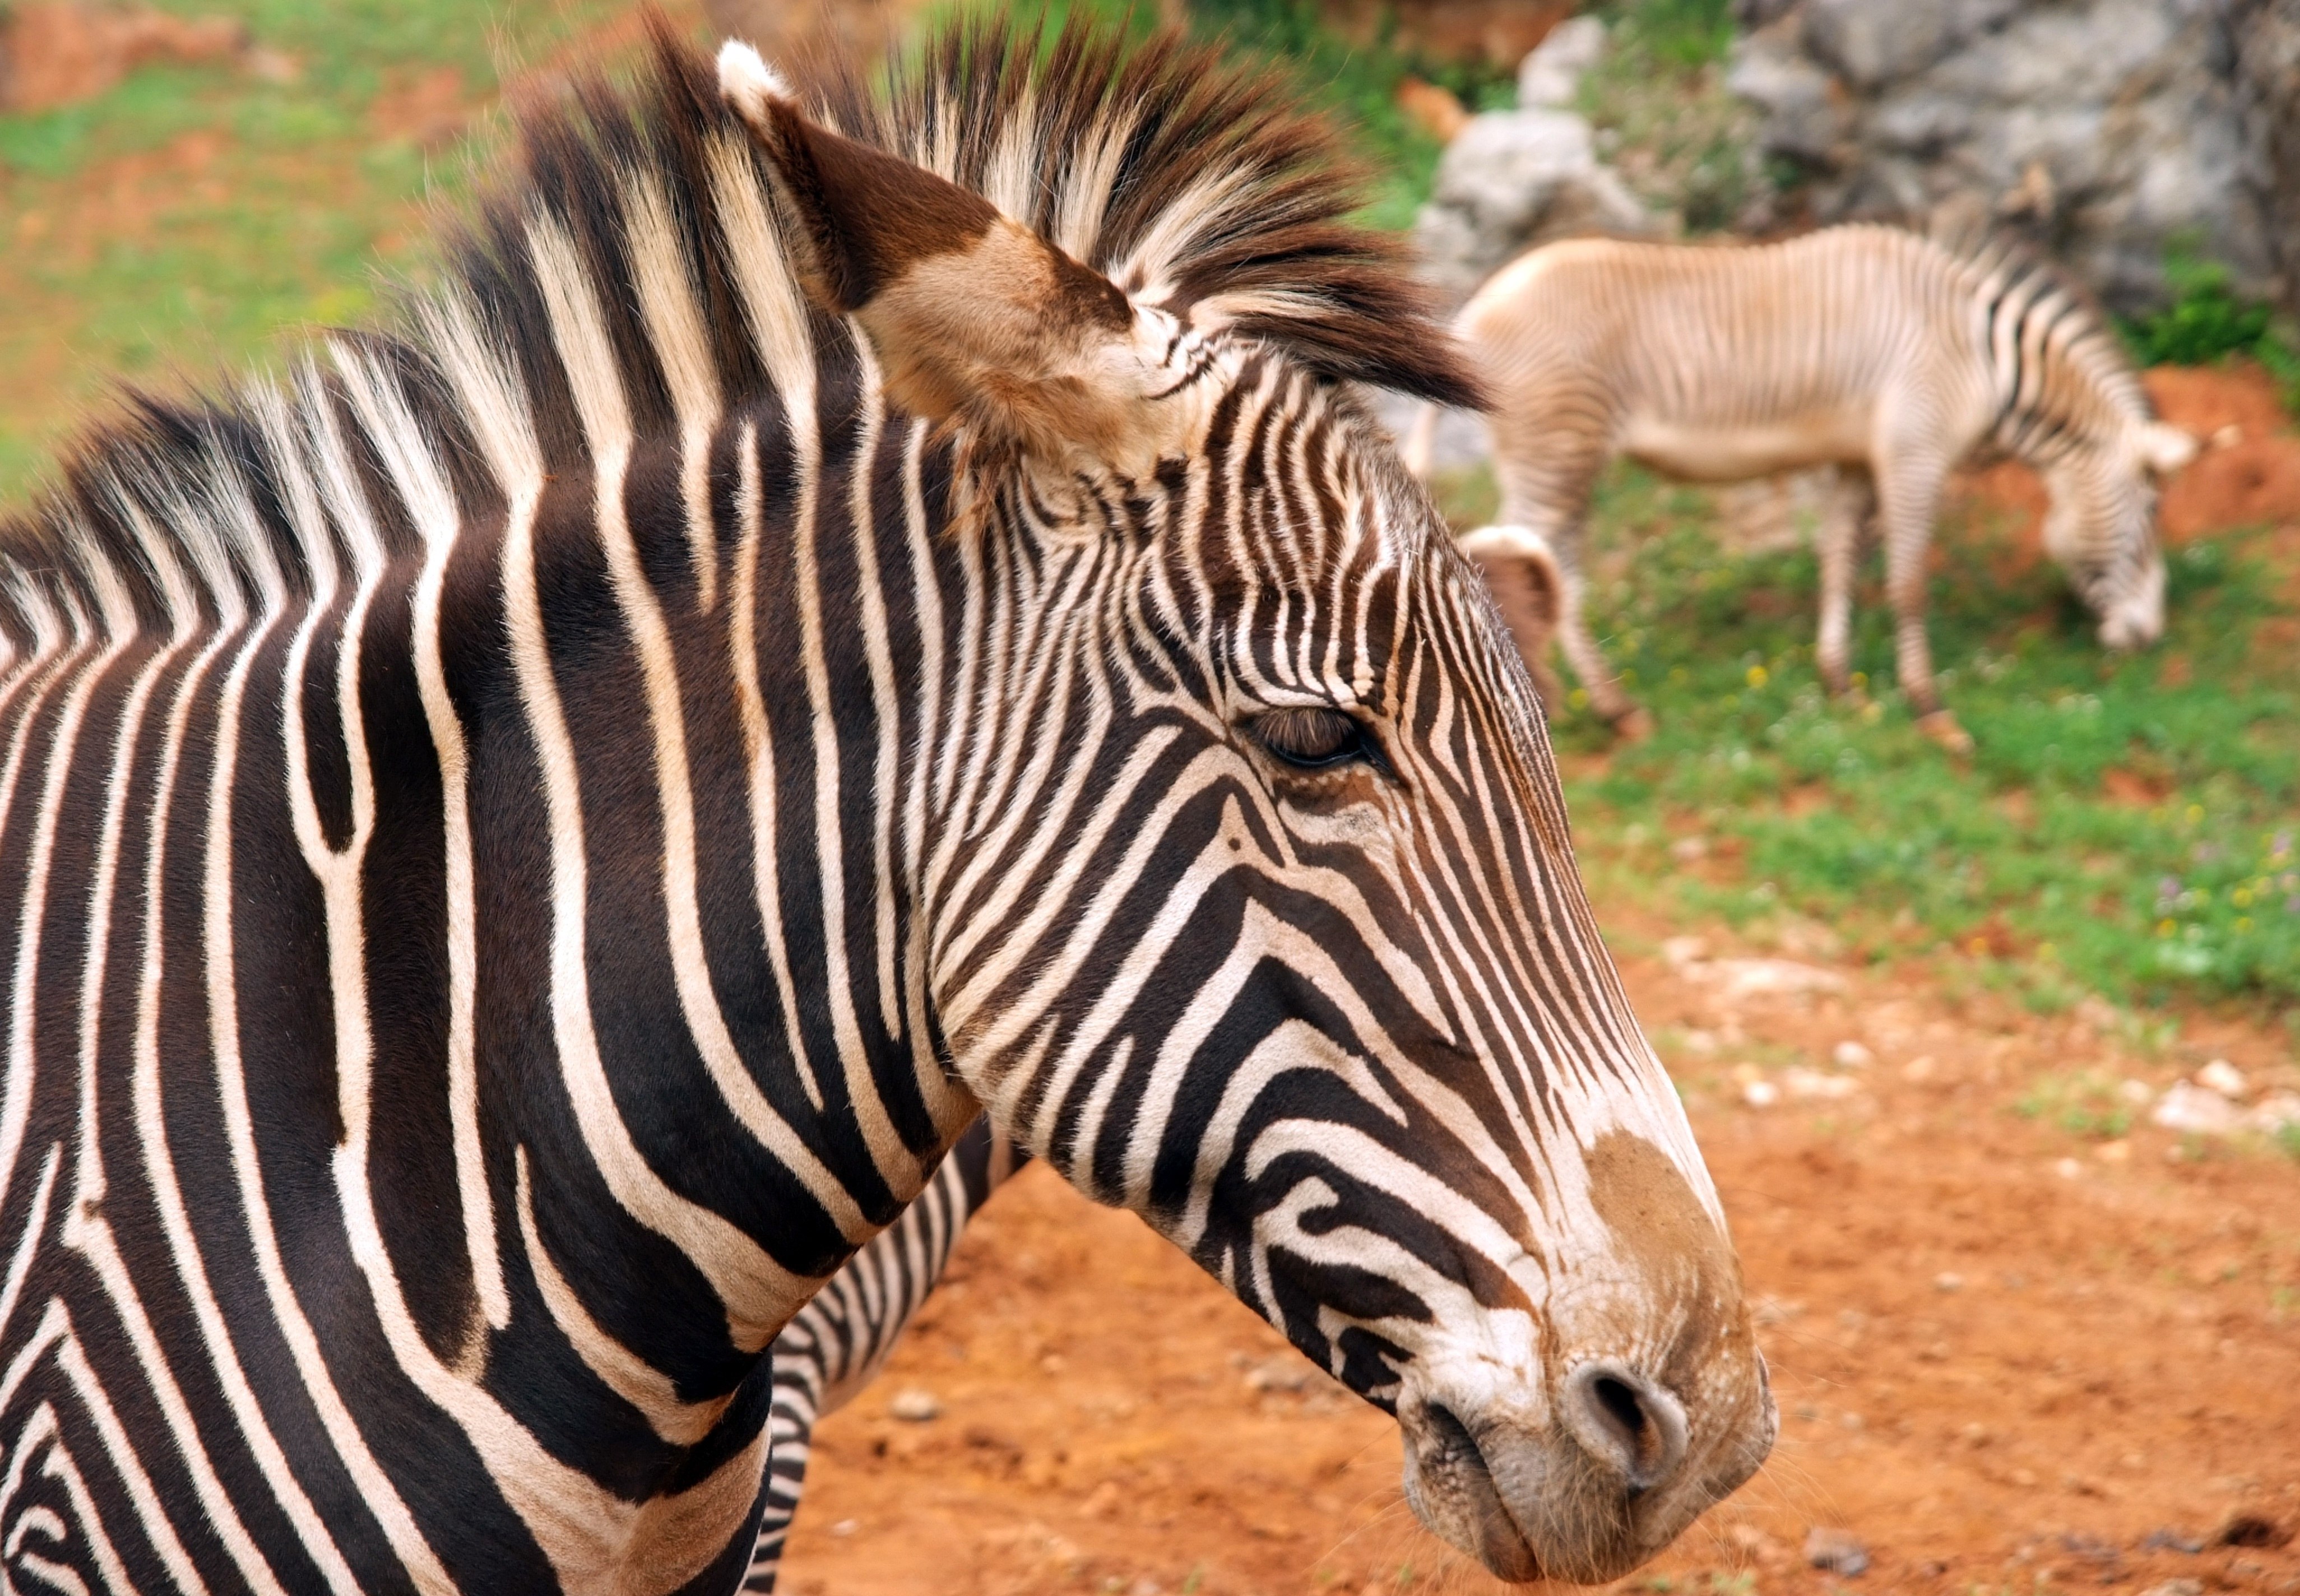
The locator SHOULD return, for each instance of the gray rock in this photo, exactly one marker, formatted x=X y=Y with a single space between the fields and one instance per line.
x=2268 y=107
x=1837 y=1550
x=1512 y=179
x=2110 y=131
x=1551 y=74
x=1806 y=115
x=1873 y=42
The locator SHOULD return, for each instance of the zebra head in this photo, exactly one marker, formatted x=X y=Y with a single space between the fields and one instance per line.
x=1247 y=895
x=2101 y=527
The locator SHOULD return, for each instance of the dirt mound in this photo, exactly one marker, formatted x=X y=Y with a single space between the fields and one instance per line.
x=2009 y=1355
x=56 y=55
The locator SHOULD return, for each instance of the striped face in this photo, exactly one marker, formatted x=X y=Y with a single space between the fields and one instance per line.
x=1248 y=897
x=2102 y=526
x=1282 y=946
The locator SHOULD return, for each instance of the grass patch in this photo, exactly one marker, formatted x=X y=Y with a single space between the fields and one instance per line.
x=2208 y=320
x=2084 y=1103
x=185 y=222
x=2129 y=826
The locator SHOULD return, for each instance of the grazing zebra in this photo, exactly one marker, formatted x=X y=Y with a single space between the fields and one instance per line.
x=525 y=840
x=833 y=1347
x=1862 y=345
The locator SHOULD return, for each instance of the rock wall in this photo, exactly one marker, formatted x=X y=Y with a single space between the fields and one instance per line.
x=2268 y=97
x=1511 y=179
x=2108 y=131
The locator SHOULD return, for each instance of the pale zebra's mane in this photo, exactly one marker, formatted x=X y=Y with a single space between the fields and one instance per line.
x=2014 y=274
x=1193 y=182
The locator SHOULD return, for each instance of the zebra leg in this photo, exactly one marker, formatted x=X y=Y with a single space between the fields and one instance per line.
x=1546 y=474
x=1631 y=720
x=1838 y=542
x=834 y=1344
x=790 y=1438
x=1907 y=495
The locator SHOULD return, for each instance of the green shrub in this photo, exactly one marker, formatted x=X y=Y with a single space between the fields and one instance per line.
x=2206 y=321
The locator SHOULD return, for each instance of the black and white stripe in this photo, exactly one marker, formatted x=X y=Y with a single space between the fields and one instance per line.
x=526 y=843
x=834 y=1346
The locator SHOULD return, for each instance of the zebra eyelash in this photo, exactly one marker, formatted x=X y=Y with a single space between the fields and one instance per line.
x=1314 y=737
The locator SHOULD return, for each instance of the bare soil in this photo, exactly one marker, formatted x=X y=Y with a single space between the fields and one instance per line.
x=2007 y=1354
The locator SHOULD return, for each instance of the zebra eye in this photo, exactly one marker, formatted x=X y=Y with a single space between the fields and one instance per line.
x=1309 y=738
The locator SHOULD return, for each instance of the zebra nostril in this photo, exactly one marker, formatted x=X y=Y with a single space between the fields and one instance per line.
x=1628 y=1423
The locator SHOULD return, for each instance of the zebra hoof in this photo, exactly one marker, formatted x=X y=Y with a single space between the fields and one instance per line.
x=1635 y=727
x=1941 y=727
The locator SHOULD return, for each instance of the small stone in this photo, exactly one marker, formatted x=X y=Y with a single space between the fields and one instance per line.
x=1812 y=1083
x=1837 y=1550
x=1852 y=1055
x=2221 y=1076
x=2252 y=1529
x=2138 y=1094
x=2176 y=1587
x=1760 y=1094
x=1285 y=1372
x=1689 y=849
x=846 y=1527
x=2068 y=1168
x=2278 y=1111
x=1682 y=950
x=1948 y=1280
x=914 y=1406
x=2196 y=1109
x=2172 y=1540
x=1919 y=1068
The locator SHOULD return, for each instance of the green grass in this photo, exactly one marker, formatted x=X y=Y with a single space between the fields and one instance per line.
x=293 y=209
x=2129 y=826
x=2084 y=1103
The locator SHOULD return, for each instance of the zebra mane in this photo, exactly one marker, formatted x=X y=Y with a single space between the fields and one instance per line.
x=2009 y=270
x=1193 y=182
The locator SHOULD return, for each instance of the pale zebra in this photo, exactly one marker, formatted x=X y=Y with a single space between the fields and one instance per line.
x=526 y=841
x=1862 y=344
x=834 y=1346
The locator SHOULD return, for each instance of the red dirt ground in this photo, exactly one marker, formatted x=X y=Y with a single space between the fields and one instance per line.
x=2006 y=1355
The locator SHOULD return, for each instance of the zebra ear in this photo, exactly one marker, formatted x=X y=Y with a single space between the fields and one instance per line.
x=2164 y=448
x=976 y=322
x=1522 y=573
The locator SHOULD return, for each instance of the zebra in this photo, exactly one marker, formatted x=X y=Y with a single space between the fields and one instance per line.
x=1863 y=344
x=845 y=609
x=833 y=1347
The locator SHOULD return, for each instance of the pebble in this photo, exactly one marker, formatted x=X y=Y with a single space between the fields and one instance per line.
x=913 y=1406
x=1948 y=1280
x=2176 y=1587
x=1852 y=1055
x=2172 y=1540
x=2221 y=1076
x=2250 y=1529
x=1806 y=1083
x=1760 y=1094
x=1837 y=1550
